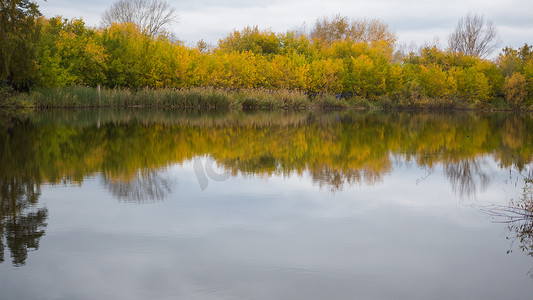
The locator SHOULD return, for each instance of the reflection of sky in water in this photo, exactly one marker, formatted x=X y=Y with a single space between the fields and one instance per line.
x=276 y=237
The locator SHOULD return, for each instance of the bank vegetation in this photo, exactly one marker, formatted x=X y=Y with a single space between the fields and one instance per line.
x=339 y=62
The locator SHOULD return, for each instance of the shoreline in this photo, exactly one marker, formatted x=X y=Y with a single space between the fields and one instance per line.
x=209 y=98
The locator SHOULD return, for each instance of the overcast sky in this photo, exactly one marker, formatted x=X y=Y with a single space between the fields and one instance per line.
x=418 y=21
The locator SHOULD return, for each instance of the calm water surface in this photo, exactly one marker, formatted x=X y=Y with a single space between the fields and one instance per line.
x=351 y=205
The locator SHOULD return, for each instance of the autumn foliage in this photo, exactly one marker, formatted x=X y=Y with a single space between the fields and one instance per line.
x=339 y=57
x=335 y=148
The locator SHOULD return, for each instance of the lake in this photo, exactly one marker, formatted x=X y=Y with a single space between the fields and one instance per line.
x=148 y=204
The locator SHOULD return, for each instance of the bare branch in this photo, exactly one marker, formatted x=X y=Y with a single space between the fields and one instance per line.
x=152 y=16
x=474 y=36
x=357 y=30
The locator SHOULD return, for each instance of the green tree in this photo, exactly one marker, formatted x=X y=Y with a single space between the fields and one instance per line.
x=18 y=37
x=125 y=46
x=251 y=39
x=509 y=61
x=69 y=53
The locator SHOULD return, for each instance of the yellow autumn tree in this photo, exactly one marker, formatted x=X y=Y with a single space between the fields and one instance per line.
x=515 y=89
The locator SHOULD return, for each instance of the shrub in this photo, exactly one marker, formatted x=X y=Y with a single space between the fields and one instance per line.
x=515 y=89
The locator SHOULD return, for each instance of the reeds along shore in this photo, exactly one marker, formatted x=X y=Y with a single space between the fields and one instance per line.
x=213 y=98
x=192 y=98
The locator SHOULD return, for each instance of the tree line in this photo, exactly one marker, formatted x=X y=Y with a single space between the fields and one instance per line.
x=339 y=55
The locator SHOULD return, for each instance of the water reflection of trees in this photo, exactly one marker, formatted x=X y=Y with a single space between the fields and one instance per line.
x=467 y=175
x=335 y=179
x=518 y=217
x=144 y=186
x=336 y=149
x=22 y=224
